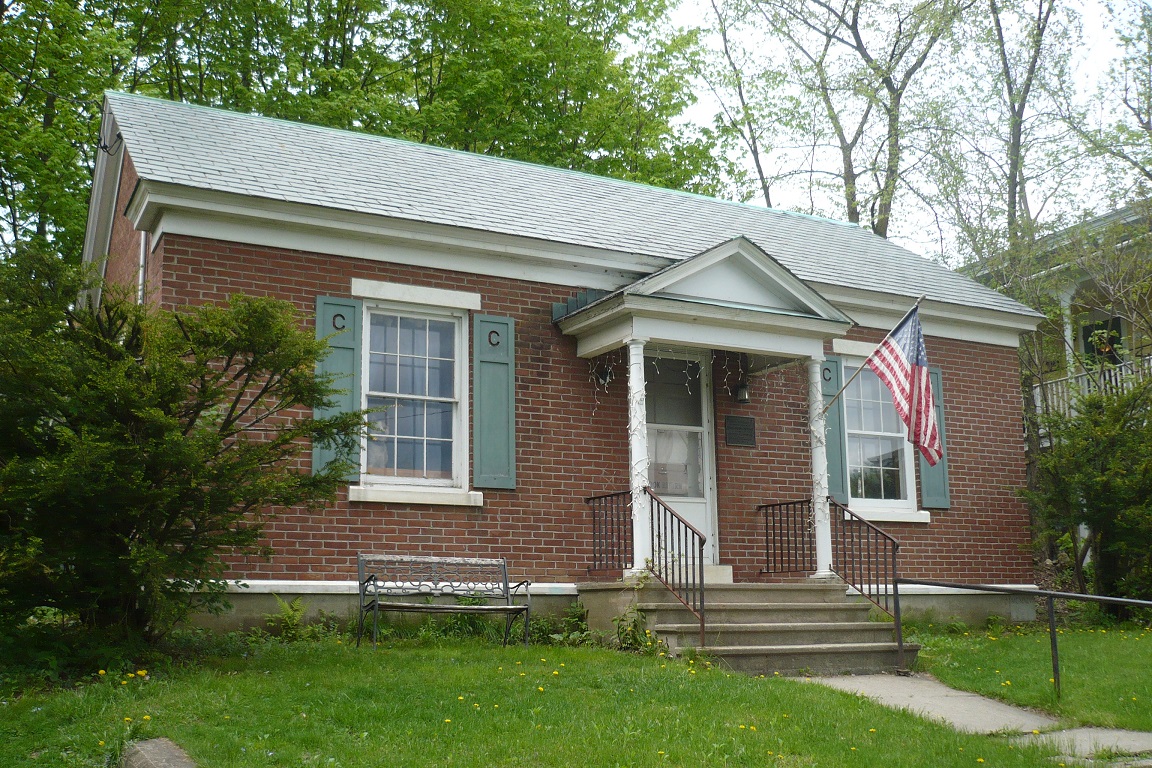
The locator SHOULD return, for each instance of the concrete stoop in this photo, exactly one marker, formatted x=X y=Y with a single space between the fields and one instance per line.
x=790 y=629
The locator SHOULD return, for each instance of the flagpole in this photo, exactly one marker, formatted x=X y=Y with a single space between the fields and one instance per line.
x=835 y=397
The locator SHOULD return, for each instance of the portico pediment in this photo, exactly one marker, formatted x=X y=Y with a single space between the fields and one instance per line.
x=734 y=296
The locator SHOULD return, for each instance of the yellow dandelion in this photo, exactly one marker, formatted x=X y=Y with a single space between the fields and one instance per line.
x=123 y=682
x=1035 y=732
x=147 y=717
x=142 y=672
x=100 y=743
x=544 y=660
x=751 y=727
x=459 y=698
x=495 y=706
x=852 y=748
x=447 y=719
x=476 y=706
x=540 y=688
x=131 y=674
x=227 y=717
x=743 y=727
x=127 y=719
x=101 y=672
x=561 y=663
x=871 y=730
x=979 y=759
x=555 y=672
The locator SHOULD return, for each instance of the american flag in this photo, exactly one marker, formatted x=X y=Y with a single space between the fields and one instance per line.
x=901 y=362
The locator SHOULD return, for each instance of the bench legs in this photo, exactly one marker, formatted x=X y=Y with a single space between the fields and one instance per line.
x=375 y=623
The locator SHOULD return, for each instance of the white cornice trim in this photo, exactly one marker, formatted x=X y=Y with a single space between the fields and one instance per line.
x=102 y=198
x=948 y=321
x=166 y=208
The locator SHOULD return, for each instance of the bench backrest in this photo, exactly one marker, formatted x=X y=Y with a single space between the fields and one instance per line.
x=434 y=576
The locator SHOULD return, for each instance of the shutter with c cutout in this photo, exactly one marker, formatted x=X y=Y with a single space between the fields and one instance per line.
x=341 y=320
x=494 y=402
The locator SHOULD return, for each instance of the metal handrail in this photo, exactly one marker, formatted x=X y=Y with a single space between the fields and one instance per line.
x=868 y=562
x=862 y=554
x=1050 y=596
x=678 y=556
x=611 y=531
x=789 y=546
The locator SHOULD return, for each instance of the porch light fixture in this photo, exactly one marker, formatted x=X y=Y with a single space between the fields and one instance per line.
x=741 y=394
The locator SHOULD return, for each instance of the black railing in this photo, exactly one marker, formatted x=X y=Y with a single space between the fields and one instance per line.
x=678 y=556
x=1049 y=596
x=788 y=540
x=611 y=531
x=862 y=554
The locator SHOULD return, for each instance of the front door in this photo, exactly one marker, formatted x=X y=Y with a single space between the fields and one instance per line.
x=681 y=461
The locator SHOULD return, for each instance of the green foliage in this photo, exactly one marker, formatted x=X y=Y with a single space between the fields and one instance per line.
x=141 y=447
x=289 y=621
x=591 y=86
x=325 y=703
x=1098 y=473
x=1105 y=669
x=56 y=59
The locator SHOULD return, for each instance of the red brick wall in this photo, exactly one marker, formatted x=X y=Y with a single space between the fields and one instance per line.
x=984 y=536
x=572 y=441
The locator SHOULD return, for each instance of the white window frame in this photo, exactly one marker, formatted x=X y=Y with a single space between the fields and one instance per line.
x=431 y=304
x=904 y=510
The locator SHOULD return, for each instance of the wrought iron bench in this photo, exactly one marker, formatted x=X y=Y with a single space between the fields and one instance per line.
x=383 y=577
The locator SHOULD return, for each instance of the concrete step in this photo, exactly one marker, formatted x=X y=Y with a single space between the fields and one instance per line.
x=752 y=613
x=805 y=633
x=802 y=592
x=814 y=659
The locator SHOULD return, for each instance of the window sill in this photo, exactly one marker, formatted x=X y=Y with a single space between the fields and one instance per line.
x=449 y=496
x=894 y=515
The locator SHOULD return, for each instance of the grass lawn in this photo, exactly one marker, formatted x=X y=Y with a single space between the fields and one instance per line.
x=471 y=703
x=1106 y=674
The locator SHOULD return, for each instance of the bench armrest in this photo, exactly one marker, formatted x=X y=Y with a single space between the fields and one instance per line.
x=526 y=583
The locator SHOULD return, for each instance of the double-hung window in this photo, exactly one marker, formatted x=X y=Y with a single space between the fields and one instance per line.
x=414 y=386
x=879 y=457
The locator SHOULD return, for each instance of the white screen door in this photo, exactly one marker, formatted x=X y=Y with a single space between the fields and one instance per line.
x=680 y=441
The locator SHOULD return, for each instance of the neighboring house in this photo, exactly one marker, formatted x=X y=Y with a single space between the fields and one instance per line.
x=540 y=336
x=1103 y=349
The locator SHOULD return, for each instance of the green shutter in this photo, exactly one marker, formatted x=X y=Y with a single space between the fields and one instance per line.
x=494 y=402
x=835 y=444
x=343 y=318
x=934 y=480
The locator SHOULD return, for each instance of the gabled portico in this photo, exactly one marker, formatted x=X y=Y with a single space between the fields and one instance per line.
x=733 y=297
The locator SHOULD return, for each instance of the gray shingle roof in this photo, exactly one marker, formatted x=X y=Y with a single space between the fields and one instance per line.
x=230 y=152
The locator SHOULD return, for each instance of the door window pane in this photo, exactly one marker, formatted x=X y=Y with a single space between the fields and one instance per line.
x=672 y=392
x=674 y=458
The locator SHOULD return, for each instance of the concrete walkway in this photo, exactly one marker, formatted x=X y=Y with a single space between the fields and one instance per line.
x=926 y=696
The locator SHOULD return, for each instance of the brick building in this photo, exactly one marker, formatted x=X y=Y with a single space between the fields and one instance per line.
x=537 y=336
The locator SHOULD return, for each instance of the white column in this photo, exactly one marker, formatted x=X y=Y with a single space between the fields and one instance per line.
x=1070 y=348
x=822 y=522
x=638 y=457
